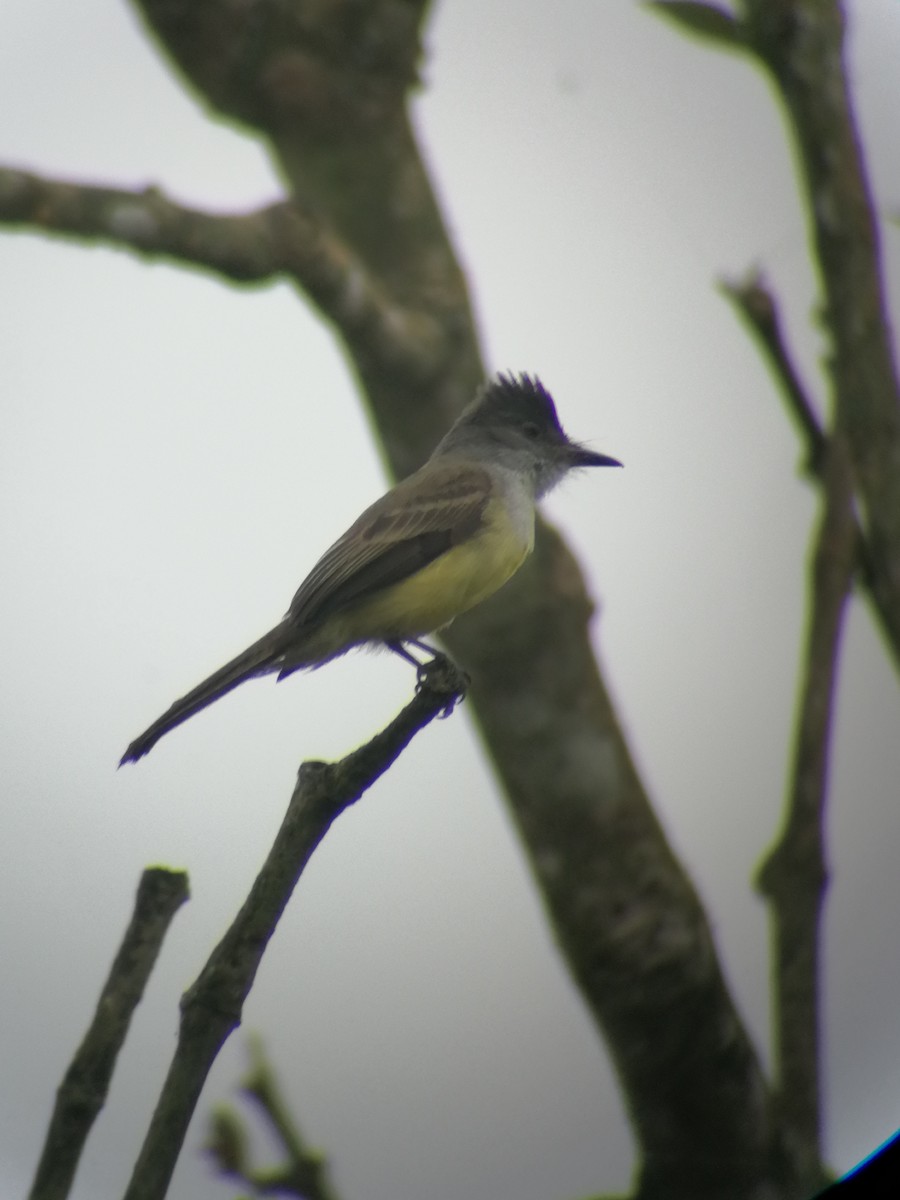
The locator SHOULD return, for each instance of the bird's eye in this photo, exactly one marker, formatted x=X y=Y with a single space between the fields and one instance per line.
x=531 y=431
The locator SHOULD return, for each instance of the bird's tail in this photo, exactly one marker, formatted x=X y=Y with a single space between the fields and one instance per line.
x=260 y=658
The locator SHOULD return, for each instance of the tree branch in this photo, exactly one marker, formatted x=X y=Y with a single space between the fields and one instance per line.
x=626 y=916
x=801 y=44
x=245 y=248
x=756 y=305
x=83 y=1090
x=280 y=241
x=304 y=1172
x=794 y=876
x=211 y=1008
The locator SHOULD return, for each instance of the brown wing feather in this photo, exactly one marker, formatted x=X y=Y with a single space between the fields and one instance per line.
x=409 y=527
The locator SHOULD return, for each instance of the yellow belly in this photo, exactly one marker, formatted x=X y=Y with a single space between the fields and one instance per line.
x=452 y=584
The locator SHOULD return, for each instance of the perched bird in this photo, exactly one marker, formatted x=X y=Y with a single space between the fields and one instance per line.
x=435 y=545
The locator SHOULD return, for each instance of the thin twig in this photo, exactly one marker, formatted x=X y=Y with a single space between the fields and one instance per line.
x=304 y=1172
x=211 y=1008
x=83 y=1090
x=801 y=44
x=754 y=302
x=793 y=877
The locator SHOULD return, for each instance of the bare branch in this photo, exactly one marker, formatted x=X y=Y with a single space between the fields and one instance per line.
x=83 y=1090
x=267 y=64
x=211 y=1008
x=246 y=248
x=794 y=876
x=801 y=42
x=626 y=916
x=708 y=22
x=756 y=305
x=304 y=1172
x=280 y=241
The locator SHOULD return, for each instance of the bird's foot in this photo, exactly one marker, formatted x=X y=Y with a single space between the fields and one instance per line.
x=441 y=675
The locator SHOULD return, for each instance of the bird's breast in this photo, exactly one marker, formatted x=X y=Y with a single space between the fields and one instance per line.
x=454 y=582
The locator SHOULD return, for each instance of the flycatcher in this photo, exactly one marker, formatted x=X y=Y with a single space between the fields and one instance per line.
x=434 y=546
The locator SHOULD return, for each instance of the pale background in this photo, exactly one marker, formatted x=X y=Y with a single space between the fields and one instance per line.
x=176 y=454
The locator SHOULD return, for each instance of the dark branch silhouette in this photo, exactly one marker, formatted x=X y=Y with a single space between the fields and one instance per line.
x=801 y=45
x=303 y=1172
x=794 y=876
x=211 y=1008
x=756 y=305
x=84 y=1088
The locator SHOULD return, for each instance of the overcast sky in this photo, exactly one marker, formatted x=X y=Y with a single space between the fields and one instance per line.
x=176 y=454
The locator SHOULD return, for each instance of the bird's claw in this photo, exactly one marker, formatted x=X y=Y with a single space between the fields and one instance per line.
x=441 y=675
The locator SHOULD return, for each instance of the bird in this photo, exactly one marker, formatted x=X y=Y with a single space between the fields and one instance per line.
x=435 y=545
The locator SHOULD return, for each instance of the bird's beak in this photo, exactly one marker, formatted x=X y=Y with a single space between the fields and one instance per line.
x=581 y=457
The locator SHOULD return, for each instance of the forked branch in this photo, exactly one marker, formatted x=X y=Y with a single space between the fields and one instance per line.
x=211 y=1008
x=83 y=1090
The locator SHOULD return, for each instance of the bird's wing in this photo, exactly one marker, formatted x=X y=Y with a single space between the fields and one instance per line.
x=409 y=527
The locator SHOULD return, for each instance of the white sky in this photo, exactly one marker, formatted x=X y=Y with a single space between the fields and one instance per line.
x=176 y=455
